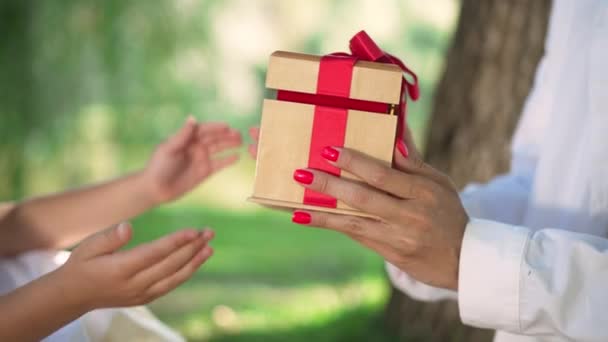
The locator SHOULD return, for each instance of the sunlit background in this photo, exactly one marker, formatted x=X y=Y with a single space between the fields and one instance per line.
x=104 y=81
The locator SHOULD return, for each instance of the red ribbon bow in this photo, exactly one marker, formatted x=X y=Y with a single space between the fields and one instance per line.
x=363 y=47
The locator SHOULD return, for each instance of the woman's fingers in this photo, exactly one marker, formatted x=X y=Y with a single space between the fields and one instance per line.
x=362 y=227
x=175 y=261
x=378 y=174
x=167 y=284
x=355 y=194
x=410 y=145
x=414 y=165
x=382 y=237
x=145 y=255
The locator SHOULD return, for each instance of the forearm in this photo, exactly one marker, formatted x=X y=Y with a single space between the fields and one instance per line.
x=61 y=220
x=37 y=309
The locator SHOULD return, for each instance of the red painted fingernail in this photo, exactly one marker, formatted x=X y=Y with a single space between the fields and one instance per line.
x=303 y=176
x=402 y=148
x=301 y=217
x=330 y=153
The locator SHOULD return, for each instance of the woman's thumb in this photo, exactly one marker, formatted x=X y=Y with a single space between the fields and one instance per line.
x=105 y=242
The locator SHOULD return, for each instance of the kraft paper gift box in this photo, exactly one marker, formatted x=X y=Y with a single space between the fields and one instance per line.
x=336 y=100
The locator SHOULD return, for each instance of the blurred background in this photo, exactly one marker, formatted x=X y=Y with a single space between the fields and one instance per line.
x=88 y=88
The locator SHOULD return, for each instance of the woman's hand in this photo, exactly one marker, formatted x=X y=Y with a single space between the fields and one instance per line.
x=422 y=220
x=99 y=275
x=184 y=160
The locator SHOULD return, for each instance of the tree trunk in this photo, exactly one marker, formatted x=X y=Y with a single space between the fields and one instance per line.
x=489 y=71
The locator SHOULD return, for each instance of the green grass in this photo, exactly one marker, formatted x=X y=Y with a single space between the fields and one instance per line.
x=270 y=280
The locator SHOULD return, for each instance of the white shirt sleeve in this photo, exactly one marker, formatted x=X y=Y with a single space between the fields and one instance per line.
x=549 y=283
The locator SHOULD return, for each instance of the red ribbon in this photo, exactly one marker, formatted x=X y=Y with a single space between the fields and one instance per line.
x=363 y=47
x=329 y=123
x=332 y=103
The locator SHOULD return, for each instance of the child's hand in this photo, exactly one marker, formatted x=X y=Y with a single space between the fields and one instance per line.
x=184 y=160
x=98 y=275
x=254 y=133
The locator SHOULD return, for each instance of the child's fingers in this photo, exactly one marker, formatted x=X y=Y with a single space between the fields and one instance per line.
x=210 y=138
x=148 y=254
x=224 y=144
x=220 y=163
x=104 y=242
x=231 y=135
x=253 y=150
x=205 y=128
x=254 y=133
x=180 y=139
x=170 y=264
x=165 y=285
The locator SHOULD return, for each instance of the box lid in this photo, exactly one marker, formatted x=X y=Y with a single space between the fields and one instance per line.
x=377 y=82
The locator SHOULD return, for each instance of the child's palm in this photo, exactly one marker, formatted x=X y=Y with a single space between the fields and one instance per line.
x=104 y=276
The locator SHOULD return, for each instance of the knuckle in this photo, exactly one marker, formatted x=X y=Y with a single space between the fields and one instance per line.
x=354 y=225
x=431 y=192
x=403 y=215
x=360 y=198
x=323 y=184
x=320 y=220
x=346 y=159
x=419 y=163
x=418 y=216
x=410 y=190
x=432 y=199
x=408 y=246
x=379 y=176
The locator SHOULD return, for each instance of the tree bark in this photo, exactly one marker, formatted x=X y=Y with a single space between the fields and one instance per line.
x=488 y=74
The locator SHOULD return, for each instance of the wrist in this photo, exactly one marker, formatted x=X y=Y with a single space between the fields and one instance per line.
x=146 y=191
x=65 y=287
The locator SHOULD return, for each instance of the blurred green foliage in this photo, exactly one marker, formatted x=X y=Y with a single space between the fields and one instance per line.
x=88 y=88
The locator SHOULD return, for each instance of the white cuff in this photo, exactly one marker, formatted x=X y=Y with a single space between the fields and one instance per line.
x=415 y=289
x=489 y=274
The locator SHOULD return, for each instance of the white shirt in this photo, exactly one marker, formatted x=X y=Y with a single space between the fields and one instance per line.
x=534 y=259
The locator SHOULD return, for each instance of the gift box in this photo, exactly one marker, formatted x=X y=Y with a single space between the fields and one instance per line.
x=352 y=100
